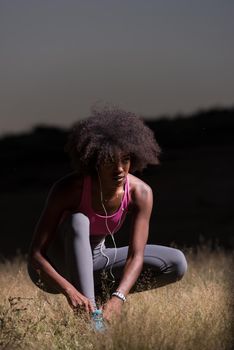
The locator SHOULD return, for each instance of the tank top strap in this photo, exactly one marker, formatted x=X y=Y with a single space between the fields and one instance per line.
x=127 y=190
x=126 y=198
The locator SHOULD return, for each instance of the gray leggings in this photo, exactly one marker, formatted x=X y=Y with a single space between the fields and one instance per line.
x=82 y=258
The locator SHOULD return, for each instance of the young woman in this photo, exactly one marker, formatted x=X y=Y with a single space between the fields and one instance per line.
x=68 y=252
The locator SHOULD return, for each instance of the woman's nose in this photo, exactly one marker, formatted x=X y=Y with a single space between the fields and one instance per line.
x=118 y=167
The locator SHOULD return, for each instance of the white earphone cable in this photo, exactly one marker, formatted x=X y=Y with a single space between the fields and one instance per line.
x=109 y=231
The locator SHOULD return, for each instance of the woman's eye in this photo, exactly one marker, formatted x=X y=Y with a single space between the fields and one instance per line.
x=109 y=163
x=126 y=160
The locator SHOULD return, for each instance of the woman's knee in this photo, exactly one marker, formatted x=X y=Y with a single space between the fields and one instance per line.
x=77 y=224
x=180 y=264
x=79 y=220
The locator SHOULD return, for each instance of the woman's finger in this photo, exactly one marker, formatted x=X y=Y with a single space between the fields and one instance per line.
x=92 y=309
x=87 y=307
x=86 y=304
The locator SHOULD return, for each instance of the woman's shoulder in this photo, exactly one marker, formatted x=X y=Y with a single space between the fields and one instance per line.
x=67 y=189
x=139 y=190
x=135 y=183
x=68 y=182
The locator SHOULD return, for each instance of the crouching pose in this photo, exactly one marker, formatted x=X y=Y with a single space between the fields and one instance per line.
x=68 y=253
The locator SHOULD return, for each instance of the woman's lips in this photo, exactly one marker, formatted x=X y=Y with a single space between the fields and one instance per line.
x=118 y=178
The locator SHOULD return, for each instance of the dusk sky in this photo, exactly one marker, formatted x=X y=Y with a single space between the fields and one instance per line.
x=59 y=58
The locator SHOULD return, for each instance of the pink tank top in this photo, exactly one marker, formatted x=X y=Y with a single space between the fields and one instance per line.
x=97 y=221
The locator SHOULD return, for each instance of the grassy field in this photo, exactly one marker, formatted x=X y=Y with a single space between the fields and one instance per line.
x=194 y=313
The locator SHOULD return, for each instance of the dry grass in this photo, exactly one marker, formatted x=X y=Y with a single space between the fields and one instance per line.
x=195 y=313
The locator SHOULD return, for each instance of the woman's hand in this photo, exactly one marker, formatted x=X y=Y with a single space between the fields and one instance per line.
x=77 y=300
x=112 y=308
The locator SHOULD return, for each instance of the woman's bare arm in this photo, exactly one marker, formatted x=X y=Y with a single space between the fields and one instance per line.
x=61 y=198
x=143 y=202
x=44 y=233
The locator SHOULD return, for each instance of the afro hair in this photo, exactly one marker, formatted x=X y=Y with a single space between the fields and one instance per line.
x=93 y=141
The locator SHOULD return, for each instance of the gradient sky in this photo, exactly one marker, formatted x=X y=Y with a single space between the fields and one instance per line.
x=58 y=58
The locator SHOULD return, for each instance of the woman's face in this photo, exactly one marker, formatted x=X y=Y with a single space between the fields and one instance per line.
x=115 y=171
